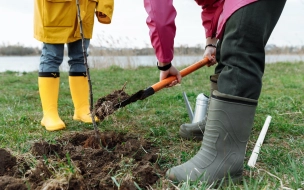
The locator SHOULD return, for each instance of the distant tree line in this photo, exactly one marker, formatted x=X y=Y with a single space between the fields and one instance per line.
x=186 y=50
x=181 y=50
x=273 y=49
x=19 y=50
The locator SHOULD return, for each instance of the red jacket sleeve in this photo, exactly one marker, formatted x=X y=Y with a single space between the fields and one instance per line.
x=161 y=23
x=211 y=11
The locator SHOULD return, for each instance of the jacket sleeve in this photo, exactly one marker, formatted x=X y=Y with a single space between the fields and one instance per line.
x=161 y=23
x=211 y=11
x=104 y=11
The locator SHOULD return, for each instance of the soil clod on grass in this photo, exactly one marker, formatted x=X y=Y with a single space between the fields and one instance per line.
x=93 y=141
x=121 y=162
x=7 y=162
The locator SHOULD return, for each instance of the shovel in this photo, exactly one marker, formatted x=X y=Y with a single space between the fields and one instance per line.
x=142 y=94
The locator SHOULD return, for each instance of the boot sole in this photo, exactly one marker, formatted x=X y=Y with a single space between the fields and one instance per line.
x=190 y=137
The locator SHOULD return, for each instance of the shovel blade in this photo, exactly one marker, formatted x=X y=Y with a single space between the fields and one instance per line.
x=140 y=95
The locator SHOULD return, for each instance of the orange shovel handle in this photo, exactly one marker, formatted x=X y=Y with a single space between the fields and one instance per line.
x=163 y=83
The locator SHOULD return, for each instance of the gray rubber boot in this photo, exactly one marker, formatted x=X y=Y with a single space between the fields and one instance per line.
x=196 y=130
x=222 y=153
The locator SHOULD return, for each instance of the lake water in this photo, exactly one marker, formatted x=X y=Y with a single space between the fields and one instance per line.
x=31 y=63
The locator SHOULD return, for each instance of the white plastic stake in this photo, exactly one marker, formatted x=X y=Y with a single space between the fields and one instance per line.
x=254 y=156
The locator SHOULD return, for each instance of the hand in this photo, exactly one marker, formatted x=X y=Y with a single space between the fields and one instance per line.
x=210 y=53
x=172 y=71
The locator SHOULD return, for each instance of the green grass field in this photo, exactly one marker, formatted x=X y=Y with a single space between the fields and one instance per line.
x=280 y=164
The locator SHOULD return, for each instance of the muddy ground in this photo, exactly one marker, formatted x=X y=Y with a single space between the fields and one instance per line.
x=122 y=162
x=75 y=162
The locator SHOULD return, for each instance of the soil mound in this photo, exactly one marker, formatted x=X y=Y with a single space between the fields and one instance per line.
x=121 y=162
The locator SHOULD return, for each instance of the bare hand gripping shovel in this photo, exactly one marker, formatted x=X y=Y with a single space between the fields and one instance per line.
x=142 y=94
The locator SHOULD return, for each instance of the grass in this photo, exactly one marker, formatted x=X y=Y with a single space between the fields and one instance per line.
x=281 y=161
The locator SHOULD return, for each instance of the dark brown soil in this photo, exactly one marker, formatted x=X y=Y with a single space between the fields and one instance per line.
x=117 y=99
x=122 y=160
x=105 y=105
x=77 y=162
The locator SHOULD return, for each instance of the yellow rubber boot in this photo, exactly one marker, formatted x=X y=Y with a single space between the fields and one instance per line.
x=49 y=90
x=79 y=88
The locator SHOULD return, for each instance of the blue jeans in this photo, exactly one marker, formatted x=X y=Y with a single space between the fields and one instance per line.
x=52 y=56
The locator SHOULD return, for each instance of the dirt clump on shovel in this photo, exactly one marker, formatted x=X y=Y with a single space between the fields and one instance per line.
x=105 y=105
x=125 y=161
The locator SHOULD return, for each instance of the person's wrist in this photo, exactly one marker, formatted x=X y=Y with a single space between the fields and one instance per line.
x=210 y=45
x=163 y=66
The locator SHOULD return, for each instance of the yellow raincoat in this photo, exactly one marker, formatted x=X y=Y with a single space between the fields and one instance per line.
x=55 y=21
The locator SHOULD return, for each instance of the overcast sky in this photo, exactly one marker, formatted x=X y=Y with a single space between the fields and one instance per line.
x=129 y=29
